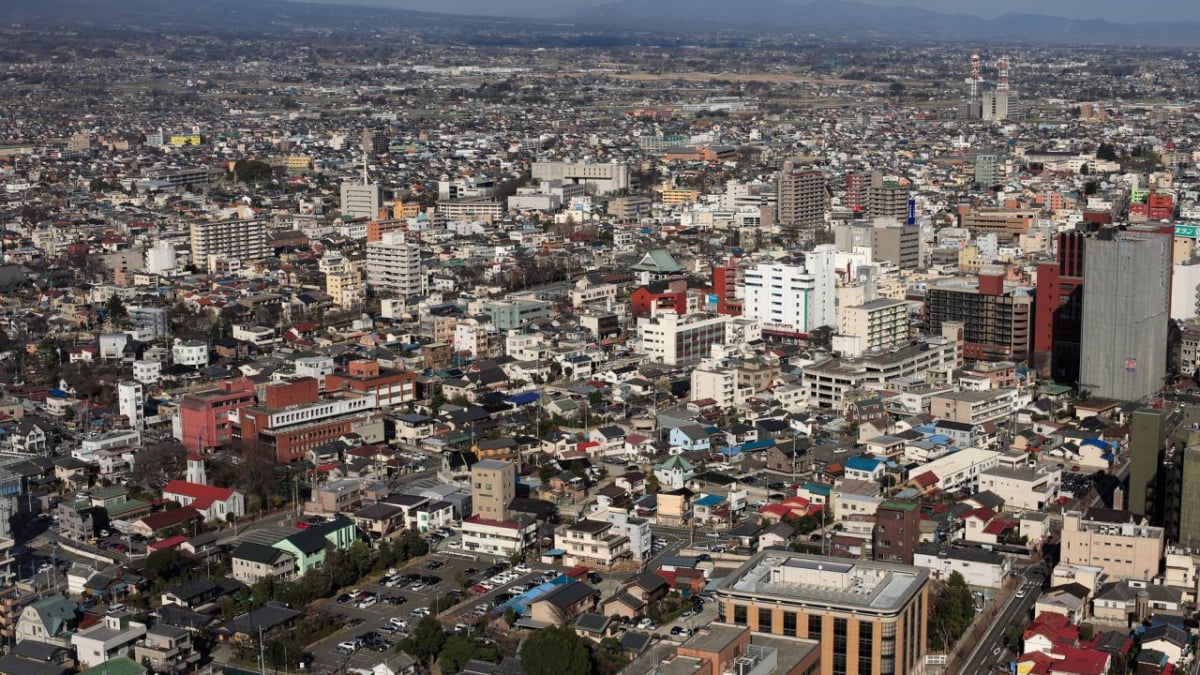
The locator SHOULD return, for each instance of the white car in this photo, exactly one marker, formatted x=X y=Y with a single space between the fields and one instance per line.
x=420 y=612
x=523 y=568
x=396 y=623
x=417 y=586
x=647 y=624
x=1020 y=592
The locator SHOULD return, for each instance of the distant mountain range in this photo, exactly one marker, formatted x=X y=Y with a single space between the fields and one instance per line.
x=823 y=18
x=839 y=18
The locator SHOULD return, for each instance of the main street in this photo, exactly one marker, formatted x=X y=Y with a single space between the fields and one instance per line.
x=990 y=652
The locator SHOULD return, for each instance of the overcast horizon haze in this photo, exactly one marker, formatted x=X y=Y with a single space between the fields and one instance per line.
x=1111 y=10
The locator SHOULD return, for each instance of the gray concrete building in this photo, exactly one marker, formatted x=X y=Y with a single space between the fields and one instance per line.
x=1127 y=277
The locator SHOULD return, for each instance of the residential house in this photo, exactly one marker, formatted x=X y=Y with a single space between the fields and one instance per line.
x=111 y=638
x=50 y=620
x=166 y=648
x=674 y=472
x=214 y=503
x=560 y=606
x=251 y=562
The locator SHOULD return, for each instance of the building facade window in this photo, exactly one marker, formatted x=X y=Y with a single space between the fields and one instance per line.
x=839 y=645
x=765 y=616
x=814 y=627
x=789 y=624
x=739 y=615
x=866 y=648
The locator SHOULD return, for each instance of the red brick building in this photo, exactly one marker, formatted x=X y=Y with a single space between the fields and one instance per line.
x=678 y=295
x=390 y=387
x=204 y=416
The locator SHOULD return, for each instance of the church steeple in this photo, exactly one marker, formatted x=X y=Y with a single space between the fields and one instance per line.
x=195 y=470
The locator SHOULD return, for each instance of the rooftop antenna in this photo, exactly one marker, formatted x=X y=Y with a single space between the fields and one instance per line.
x=1002 y=78
x=366 y=178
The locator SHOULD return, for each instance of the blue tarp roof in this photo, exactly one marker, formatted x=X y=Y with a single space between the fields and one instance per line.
x=521 y=602
x=522 y=399
x=709 y=500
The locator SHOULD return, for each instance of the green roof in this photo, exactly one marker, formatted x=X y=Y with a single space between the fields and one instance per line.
x=119 y=666
x=1054 y=389
x=899 y=505
x=111 y=492
x=657 y=260
x=264 y=555
x=127 y=506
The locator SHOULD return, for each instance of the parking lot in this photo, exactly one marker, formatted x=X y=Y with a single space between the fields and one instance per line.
x=400 y=601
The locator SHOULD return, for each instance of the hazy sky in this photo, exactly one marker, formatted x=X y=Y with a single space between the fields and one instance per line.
x=1114 y=10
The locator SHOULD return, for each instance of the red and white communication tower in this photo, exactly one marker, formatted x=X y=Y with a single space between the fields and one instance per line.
x=975 y=76
x=1002 y=76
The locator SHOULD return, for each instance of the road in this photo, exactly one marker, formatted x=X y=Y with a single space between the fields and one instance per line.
x=990 y=650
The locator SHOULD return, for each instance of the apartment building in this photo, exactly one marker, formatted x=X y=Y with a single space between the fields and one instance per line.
x=960 y=470
x=897 y=531
x=801 y=197
x=934 y=359
x=594 y=543
x=361 y=200
x=1119 y=542
x=233 y=239
x=1022 y=487
x=868 y=616
x=973 y=407
x=394 y=265
x=997 y=318
x=878 y=325
x=596 y=178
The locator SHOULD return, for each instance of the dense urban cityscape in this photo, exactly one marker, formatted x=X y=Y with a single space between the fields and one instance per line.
x=497 y=347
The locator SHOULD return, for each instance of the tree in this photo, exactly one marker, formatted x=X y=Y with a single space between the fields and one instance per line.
x=115 y=309
x=896 y=89
x=158 y=463
x=555 y=651
x=952 y=613
x=252 y=171
x=652 y=483
x=426 y=641
x=1106 y=151
x=458 y=650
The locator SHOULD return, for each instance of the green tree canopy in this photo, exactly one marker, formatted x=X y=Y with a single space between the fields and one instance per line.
x=252 y=171
x=556 y=651
x=427 y=640
x=952 y=613
x=459 y=649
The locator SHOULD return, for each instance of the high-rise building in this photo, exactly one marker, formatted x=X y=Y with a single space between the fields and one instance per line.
x=493 y=487
x=792 y=298
x=897 y=531
x=394 y=265
x=857 y=185
x=361 y=200
x=996 y=316
x=1127 y=282
x=801 y=197
x=1147 y=439
x=232 y=239
x=868 y=616
x=887 y=198
x=1058 y=309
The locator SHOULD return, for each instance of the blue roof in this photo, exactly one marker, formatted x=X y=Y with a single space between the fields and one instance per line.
x=731 y=450
x=1096 y=442
x=816 y=488
x=758 y=445
x=862 y=463
x=555 y=552
x=524 y=398
x=940 y=439
x=709 y=500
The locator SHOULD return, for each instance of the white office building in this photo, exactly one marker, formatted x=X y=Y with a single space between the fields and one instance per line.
x=790 y=297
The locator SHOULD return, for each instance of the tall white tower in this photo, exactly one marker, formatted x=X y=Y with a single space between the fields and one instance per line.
x=195 y=470
x=130 y=400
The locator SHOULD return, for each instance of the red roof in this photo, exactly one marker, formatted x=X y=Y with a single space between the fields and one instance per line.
x=169 y=542
x=925 y=479
x=983 y=513
x=170 y=518
x=202 y=495
x=999 y=525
